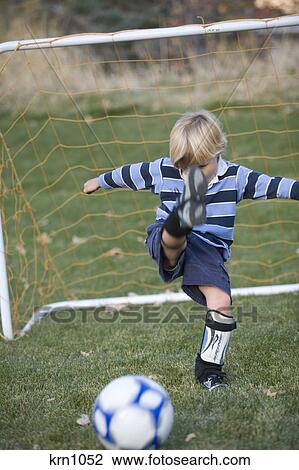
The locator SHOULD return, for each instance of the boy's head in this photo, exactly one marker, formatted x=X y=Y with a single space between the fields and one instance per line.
x=197 y=139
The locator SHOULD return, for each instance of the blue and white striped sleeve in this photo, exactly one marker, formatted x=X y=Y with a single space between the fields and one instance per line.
x=254 y=185
x=146 y=175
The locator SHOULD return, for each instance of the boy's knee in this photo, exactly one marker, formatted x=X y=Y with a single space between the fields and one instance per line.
x=216 y=298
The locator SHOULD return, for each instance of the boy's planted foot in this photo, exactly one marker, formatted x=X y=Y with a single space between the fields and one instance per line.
x=214 y=381
x=191 y=208
x=209 y=375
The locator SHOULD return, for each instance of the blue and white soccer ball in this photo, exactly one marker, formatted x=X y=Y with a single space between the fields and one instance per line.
x=133 y=412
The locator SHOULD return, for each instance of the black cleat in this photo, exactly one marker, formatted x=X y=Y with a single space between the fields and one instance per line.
x=191 y=208
x=213 y=381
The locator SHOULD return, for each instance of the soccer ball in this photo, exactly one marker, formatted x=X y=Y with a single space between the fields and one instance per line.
x=132 y=412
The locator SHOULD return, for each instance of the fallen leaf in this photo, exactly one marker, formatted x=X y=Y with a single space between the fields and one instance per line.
x=21 y=249
x=89 y=118
x=50 y=399
x=153 y=377
x=78 y=240
x=44 y=239
x=83 y=420
x=114 y=252
x=86 y=354
x=26 y=283
x=190 y=436
x=113 y=307
x=269 y=393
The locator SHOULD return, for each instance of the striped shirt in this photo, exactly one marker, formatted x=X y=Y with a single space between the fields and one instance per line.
x=232 y=184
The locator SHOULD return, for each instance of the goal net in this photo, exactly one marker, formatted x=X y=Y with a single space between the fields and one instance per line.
x=68 y=114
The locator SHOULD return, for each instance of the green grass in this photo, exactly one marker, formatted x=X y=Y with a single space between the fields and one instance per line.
x=46 y=383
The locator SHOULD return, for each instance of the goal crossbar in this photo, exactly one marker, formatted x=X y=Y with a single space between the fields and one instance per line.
x=154 y=33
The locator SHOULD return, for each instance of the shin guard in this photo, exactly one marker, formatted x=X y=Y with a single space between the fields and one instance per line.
x=217 y=333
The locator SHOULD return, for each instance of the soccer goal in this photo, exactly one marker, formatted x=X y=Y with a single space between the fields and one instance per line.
x=76 y=106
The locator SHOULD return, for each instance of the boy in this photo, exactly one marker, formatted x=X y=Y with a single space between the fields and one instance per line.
x=194 y=224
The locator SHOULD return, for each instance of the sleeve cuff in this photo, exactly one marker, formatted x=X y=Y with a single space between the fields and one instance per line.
x=102 y=182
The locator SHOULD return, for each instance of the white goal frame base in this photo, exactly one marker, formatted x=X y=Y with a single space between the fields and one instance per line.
x=156 y=299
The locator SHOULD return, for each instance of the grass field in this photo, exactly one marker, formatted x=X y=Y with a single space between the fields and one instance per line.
x=46 y=380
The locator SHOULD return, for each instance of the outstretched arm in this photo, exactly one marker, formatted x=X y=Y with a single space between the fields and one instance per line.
x=254 y=185
x=146 y=175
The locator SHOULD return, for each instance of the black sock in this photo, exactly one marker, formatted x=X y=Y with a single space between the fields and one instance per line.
x=173 y=227
x=203 y=369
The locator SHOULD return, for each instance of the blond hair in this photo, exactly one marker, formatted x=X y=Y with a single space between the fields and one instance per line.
x=196 y=138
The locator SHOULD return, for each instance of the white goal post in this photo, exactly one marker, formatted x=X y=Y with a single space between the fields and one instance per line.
x=122 y=36
x=4 y=293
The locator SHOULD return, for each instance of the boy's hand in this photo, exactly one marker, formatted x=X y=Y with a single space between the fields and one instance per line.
x=91 y=185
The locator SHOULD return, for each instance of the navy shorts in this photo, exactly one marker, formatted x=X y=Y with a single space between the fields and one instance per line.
x=199 y=264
